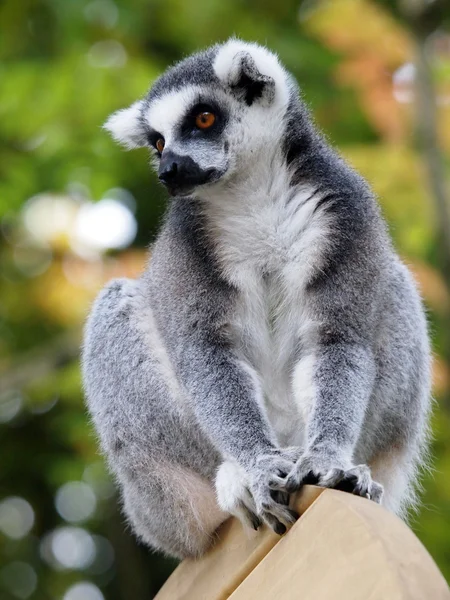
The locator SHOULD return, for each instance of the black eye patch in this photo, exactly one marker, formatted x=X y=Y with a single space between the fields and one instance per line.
x=153 y=136
x=188 y=128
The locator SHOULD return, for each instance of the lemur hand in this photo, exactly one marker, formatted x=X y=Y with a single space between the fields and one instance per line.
x=328 y=471
x=267 y=479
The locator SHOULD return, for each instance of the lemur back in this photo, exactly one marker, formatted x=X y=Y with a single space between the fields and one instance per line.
x=275 y=337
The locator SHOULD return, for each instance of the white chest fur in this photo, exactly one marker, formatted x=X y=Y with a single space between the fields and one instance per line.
x=268 y=248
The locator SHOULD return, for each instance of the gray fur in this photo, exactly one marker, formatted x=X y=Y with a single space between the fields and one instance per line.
x=275 y=337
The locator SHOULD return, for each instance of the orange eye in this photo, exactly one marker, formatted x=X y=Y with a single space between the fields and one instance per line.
x=204 y=120
x=160 y=145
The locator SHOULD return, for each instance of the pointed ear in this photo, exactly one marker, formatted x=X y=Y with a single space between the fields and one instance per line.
x=247 y=82
x=126 y=126
x=253 y=73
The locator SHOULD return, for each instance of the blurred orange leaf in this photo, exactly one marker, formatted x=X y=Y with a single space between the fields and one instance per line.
x=64 y=292
x=373 y=47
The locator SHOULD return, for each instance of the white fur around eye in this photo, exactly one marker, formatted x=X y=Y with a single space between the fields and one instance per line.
x=166 y=112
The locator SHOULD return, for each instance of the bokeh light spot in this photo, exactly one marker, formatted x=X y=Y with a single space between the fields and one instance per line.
x=49 y=218
x=106 y=224
x=32 y=260
x=104 y=559
x=98 y=478
x=84 y=590
x=19 y=579
x=11 y=403
x=102 y=12
x=69 y=548
x=16 y=517
x=107 y=54
x=403 y=81
x=75 y=501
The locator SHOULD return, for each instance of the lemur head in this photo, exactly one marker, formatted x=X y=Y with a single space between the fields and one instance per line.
x=208 y=117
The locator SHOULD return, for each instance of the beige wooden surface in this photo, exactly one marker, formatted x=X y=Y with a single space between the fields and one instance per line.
x=342 y=547
x=348 y=548
x=237 y=552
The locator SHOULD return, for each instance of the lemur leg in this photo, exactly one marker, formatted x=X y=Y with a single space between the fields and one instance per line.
x=173 y=509
x=396 y=471
x=164 y=466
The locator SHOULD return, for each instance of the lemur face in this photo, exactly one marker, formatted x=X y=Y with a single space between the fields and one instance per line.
x=208 y=117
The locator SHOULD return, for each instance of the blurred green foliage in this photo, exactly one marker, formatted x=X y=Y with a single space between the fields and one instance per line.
x=66 y=65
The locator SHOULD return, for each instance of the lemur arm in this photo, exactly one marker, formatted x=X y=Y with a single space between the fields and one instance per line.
x=227 y=402
x=343 y=376
x=342 y=371
x=194 y=308
x=226 y=398
x=343 y=380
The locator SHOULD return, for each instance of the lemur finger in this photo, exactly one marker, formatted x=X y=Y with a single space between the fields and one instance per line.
x=376 y=492
x=249 y=516
x=249 y=504
x=277 y=483
x=359 y=479
x=296 y=480
x=362 y=488
x=366 y=486
x=335 y=478
x=285 y=515
x=274 y=524
x=280 y=497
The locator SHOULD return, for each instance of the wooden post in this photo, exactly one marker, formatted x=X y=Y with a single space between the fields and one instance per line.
x=342 y=547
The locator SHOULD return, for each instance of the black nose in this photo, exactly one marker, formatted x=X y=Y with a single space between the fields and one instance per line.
x=181 y=173
x=168 y=170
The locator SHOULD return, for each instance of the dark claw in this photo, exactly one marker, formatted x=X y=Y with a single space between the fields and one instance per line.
x=283 y=499
x=256 y=521
x=279 y=528
x=275 y=524
x=360 y=491
x=292 y=485
x=294 y=514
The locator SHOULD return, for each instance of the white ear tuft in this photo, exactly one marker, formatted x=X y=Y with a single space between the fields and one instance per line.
x=126 y=127
x=226 y=66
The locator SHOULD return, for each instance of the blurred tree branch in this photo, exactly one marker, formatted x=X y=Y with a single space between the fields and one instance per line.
x=427 y=133
x=424 y=18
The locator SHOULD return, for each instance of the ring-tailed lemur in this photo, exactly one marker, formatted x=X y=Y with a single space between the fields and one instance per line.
x=275 y=337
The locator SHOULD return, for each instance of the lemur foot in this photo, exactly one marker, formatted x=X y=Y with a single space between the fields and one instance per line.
x=233 y=495
x=356 y=480
x=249 y=495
